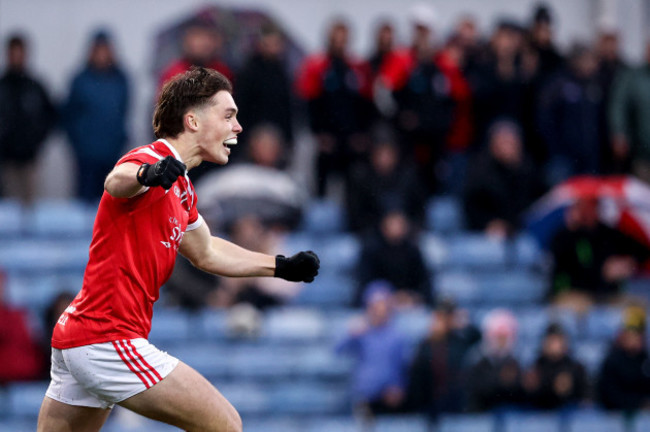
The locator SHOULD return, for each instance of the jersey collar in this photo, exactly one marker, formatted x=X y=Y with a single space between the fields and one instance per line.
x=172 y=149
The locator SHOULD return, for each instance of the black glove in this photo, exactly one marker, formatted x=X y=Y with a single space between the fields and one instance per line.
x=163 y=173
x=302 y=267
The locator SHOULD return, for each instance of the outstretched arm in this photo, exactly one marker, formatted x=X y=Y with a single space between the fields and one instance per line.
x=221 y=257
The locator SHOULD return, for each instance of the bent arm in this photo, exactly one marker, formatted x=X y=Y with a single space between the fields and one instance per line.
x=122 y=182
x=223 y=258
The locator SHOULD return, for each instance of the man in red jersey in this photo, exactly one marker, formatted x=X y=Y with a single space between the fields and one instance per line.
x=100 y=352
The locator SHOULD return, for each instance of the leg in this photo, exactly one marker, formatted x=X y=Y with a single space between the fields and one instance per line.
x=187 y=400
x=56 y=416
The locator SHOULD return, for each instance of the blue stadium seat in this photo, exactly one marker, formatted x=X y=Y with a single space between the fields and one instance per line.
x=24 y=399
x=18 y=425
x=527 y=422
x=457 y=285
x=209 y=359
x=12 y=218
x=294 y=324
x=331 y=424
x=273 y=424
x=401 y=424
x=525 y=252
x=511 y=287
x=603 y=322
x=322 y=363
x=171 y=325
x=337 y=253
x=434 y=250
x=445 y=215
x=414 y=324
x=476 y=250
x=299 y=241
x=247 y=398
x=591 y=354
x=328 y=289
x=60 y=218
x=595 y=421
x=309 y=398
x=641 y=423
x=264 y=362
x=35 y=292
x=123 y=420
x=213 y=325
x=466 y=423
x=33 y=256
x=323 y=217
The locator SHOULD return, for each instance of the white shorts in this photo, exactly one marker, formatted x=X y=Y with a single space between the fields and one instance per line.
x=101 y=375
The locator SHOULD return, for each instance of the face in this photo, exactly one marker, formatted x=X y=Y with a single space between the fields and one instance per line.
x=216 y=123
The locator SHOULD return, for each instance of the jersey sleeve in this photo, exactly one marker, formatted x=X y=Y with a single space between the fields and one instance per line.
x=195 y=219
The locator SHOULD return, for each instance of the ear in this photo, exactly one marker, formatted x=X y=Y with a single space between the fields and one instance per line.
x=191 y=121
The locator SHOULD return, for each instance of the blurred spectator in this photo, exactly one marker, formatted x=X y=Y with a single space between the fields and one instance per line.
x=379 y=377
x=261 y=293
x=451 y=61
x=590 y=258
x=610 y=66
x=541 y=38
x=556 y=380
x=467 y=33
x=495 y=379
x=386 y=183
x=54 y=310
x=202 y=43
x=264 y=88
x=26 y=118
x=336 y=88
x=629 y=112
x=438 y=372
x=423 y=97
x=501 y=184
x=497 y=80
x=382 y=55
x=624 y=377
x=569 y=118
x=94 y=116
x=257 y=187
x=20 y=356
x=392 y=253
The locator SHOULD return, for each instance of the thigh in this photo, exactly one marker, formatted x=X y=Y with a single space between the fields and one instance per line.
x=187 y=400
x=57 y=416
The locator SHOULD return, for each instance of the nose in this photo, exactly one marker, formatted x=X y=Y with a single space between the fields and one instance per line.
x=237 y=128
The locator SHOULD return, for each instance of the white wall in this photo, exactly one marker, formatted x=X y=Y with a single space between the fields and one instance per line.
x=59 y=29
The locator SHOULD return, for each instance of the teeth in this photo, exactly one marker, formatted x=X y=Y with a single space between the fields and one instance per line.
x=230 y=141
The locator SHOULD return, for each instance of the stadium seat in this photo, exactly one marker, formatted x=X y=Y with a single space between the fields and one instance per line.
x=603 y=322
x=213 y=324
x=60 y=218
x=476 y=250
x=513 y=287
x=466 y=423
x=209 y=359
x=33 y=256
x=322 y=363
x=531 y=422
x=401 y=424
x=24 y=399
x=313 y=397
x=525 y=252
x=457 y=285
x=434 y=251
x=171 y=325
x=641 y=423
x=264 y=362
x=247 y=398
x=12 y=222
x=273 y=424
x=323 y=217
x=337 y=253
x=445 y=215
x=328 y=290
x=595 y=421
x=123 y=420
x=294 y=324
x=18 y=425
x=331 y=424
x=414 y=324
x=35 y=292
x=591 y=354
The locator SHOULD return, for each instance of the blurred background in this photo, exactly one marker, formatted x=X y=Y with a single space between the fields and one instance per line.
x=474 y=176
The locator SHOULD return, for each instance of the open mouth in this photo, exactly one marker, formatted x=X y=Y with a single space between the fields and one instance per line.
x=230 y=142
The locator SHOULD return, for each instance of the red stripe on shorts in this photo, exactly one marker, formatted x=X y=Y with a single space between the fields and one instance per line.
x=144 y=362
x=136 y=363
x=130 y=366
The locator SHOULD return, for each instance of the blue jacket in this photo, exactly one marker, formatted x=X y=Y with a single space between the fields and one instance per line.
x=94 y=115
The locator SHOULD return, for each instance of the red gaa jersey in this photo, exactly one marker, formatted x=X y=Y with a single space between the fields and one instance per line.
x=132 y=254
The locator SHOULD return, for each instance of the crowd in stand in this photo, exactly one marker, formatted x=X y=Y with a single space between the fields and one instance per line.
x=494 y=120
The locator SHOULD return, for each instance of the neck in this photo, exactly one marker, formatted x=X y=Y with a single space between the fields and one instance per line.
x=187 y=151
